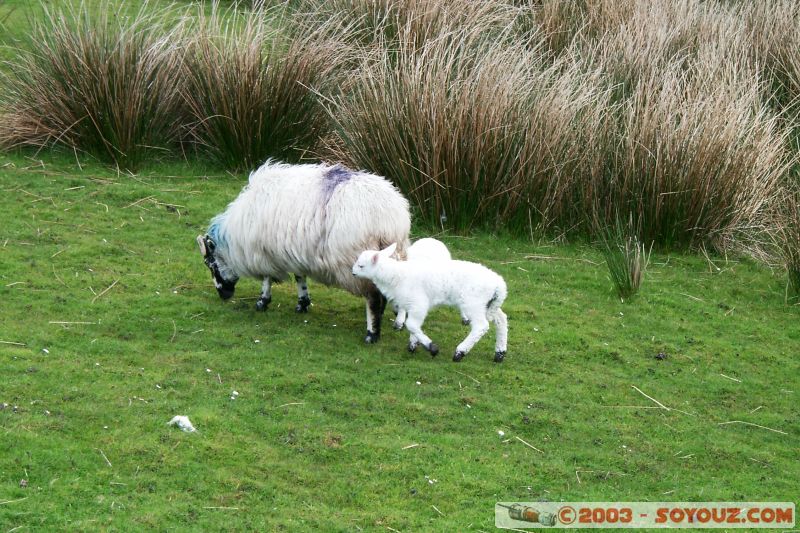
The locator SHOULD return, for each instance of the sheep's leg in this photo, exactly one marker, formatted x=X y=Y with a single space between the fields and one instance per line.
x=303 y=300
x=400 y=319
x=266 y=295
x=501 y=324
x=376 y=304
x=479 y=325
x=414 y=323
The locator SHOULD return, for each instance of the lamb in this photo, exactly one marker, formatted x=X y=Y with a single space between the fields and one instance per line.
x=311 y=221
x=426 y=250
x=417 y=287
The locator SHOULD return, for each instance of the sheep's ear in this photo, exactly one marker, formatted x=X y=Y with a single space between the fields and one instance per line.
x=389 y=250
x=375 y=257
x=202 y=243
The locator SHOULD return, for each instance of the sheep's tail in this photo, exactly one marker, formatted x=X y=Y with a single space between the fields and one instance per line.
x=498 y=297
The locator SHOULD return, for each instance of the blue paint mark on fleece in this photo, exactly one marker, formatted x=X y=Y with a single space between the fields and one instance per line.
x=333 y=177
x=216 y=231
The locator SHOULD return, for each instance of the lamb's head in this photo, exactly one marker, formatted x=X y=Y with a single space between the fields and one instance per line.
x=370 y=261
x=222 y=275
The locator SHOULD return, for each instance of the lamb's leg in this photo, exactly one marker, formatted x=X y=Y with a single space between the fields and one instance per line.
x=376 y=304
x=414 y=326
x=303 y=300
x=478 y=328
x=501 y=324
x=400 y=319
x=266 y=295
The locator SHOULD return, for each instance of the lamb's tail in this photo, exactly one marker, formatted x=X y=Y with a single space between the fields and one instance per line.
x=498 y=297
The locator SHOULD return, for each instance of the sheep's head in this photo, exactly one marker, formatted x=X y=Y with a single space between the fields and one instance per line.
x=224 y=279
x=369 y=261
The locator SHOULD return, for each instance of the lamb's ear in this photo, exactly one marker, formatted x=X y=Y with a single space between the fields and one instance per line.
x=201 y=241
x=389 y=250
x=375 y=257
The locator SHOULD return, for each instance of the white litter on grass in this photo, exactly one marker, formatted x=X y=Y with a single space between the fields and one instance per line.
x=501 y=432
x=45 y=350
x=182 y=422
x=234 y=394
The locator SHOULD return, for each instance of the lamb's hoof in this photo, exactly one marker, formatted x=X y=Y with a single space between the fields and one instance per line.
x=434 y=349
x=371 y=337
x=262 y=303
x=499 y=356
x=466 y=321
x=458 y=356
x=397 y=326
x=302 y=305
x=412 y=347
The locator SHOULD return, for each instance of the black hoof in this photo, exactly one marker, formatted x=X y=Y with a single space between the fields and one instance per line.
x=371 y=337
x=434 y=349
x=458 y=356
x=412 y=347
x=302 y=305
x=499 y=356
x=466 y=321
x=262 y=303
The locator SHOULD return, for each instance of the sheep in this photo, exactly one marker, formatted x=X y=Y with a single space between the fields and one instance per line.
x=417 y=287
x=426 y=250
x=309 y=220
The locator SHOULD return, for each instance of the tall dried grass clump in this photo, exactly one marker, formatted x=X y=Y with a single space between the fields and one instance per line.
x=474 y=134
x=387 y=22
x=788 y=240
x=250 y=87
x=100 y=82
x=699 y=159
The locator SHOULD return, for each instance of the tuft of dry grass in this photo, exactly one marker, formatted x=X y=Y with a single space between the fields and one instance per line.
x=250 y=87
x=699 y=157
x=100 y=81
x=413 y=22
x=788 y=239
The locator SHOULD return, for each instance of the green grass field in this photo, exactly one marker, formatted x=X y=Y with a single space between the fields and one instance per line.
x=110 y=326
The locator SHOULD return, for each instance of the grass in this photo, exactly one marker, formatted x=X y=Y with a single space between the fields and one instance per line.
x=496 y=114
x=250 y=88
x=98 y=81
x=625 y=255
x=100 y=269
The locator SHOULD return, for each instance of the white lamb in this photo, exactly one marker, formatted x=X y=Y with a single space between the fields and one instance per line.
x=310 y=221
x=425 y=250
x=418 y=286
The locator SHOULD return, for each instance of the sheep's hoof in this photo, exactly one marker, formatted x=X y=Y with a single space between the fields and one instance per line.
x=458 y=356
x=499 y=356
x=371 y=337
x=397 y=326
x=262 y=303
x=412 y=347
x=465 y=321
x=434 y=349
x=302 y=305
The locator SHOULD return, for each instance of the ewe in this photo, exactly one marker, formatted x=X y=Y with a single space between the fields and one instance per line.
x=419 y=286
x=310 y=221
